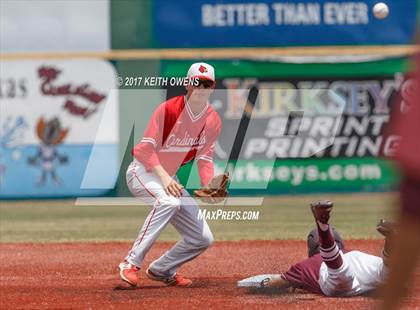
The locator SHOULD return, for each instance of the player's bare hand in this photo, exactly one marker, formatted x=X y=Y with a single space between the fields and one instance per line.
x=172 y=187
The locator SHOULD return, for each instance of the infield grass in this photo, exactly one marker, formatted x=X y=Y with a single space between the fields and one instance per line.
x=284 y=217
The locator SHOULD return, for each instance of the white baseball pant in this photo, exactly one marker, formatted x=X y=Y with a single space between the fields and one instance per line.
x=359 y=274
x=181 y=212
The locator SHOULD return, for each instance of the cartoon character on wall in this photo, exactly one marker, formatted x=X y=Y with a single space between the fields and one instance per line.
x=51 y=135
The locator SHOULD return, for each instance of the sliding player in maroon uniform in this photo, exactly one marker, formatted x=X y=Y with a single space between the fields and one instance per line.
x=330 y=272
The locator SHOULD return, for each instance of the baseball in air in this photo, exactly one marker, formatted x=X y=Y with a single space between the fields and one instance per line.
x=380 y=10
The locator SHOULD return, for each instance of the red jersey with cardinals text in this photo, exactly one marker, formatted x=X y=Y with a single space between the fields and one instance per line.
x=175 y=135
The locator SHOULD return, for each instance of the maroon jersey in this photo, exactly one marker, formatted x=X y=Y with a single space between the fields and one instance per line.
x=305 y=274
x=174 y=136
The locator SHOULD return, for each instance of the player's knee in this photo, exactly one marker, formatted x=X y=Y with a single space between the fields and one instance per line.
x=200 y=242
x=207 y=240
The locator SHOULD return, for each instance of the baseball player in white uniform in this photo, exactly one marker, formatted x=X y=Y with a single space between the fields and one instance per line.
x=181 y=129
x=328 y=270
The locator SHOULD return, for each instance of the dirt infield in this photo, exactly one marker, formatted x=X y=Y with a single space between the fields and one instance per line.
x=84 y=275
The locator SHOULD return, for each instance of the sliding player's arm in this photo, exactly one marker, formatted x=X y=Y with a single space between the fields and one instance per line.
x=278 y=283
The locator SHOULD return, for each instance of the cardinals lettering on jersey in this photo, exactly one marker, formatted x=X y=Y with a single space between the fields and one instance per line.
x=175 y=136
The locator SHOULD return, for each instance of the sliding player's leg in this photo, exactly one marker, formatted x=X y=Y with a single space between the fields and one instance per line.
x=336 y=276
x=329 y=249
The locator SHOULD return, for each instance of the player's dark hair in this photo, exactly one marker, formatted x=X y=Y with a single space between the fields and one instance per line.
x=313 y=241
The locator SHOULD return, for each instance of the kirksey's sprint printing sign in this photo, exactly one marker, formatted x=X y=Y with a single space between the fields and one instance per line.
x=315 y=134
x=296 y=118
x=50 y=115
x=308 y=135
x=207 y=23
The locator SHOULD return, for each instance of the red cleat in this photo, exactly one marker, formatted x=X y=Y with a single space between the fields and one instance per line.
x=175 y=280
x=321 y=210
x=128 y=273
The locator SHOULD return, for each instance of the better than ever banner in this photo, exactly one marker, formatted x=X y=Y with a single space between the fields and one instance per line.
x=211 y=23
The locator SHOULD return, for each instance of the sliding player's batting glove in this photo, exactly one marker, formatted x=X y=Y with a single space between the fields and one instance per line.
x=215 y=191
